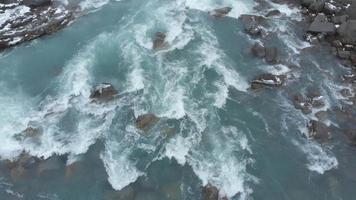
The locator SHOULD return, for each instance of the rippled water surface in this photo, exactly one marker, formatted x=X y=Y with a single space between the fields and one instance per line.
x=212 y=130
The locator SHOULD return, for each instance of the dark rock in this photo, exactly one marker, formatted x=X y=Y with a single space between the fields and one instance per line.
x=306 y=108
x=347 y=31
x=258 y=50
x=345 y=92
x=319 y=103
x=267 y=80
x=31 y=133
x=317 y=6
x=339 y=19
x=307 y=3
x=349 y=78
x=271 y=55
x=311 y=38
x=252 y=24
x=146 y=121
x=273 y=13
x=19 y=168
x=221 y=12
x=337 y=43
x=159 y=41
x=321 y=115
x=319 y=131
x=210 y=192
x=330 y=8
x=320 y=25
x=37 y=3
x=343 y=54
x=104 y=92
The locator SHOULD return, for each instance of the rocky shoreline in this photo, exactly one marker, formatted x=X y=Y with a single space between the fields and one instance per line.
x=25 y=20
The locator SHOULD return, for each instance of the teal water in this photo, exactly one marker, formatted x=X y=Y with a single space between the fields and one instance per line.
x=213 y=129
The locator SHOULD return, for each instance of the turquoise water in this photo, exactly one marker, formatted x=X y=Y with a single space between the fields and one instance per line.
x=212 y=128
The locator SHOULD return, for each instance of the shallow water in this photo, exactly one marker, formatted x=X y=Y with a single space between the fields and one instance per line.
x=213 y=129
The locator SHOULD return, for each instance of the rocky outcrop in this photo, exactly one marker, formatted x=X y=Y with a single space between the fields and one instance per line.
x=210 y=192
x=104 y=92
x=19 y=167
x=146 y=121
x=319 y=131
x=267 y=80
x=253 y=24
x=220 y=12
x=159 y=40
x=270 y=54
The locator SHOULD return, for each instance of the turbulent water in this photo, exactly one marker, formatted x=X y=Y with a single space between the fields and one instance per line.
x=213 y=129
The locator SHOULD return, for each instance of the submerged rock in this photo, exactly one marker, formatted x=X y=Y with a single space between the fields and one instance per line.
x=267 y=80
x=104 y=92
x=221 y=12
x=19 y=167
x=253 y=24
x=271 y=55
x=146 y=121
x=159 y=40
x=258 y=50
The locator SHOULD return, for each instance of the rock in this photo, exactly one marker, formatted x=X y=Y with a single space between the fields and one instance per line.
x=31 y=133
x=252 y=24
x=337 y=43
x=330 y=8
x=104 y=92
x=345 y=93
x=311 y=38
x=159 y=40
x=320 y=25
x=343 y=54
x=271 y=55
x=273 y=13
x=306 y=108
x=268 y=80
x=349 y=78
x=37 y=3
x=321 y=115
x=317 y=6
x=258 y=50
x=221 y=12
x=319 y=131
x=31 y=19
x=339 y=19
x=19 y=167
x=146 y=121
x=347 y=32
x=210 y=192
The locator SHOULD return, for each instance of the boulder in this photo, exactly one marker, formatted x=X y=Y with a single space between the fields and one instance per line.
x=252 y=24
x=146 y=121
x=159 y=40
x=342 y=54
x=104 y=92
x=339 y=19
x=319 y=131
x=273 y=13
x=267 y=80
x=317 y=6
x=347 y=32
x=221 y=12
x=331 y=8
x=320 y=25
x=321 y=115
x=210 y=192
x=258 y=50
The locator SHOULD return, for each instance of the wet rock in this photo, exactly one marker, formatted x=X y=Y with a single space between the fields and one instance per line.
x=337 y=43
x=317 y=6
x=339 y=19
x=273 y=13
x=159 y=40
x=37 y=3
x=306 y=108
x=345 y=92
x=31 y=133
x=252 y=24
x=321 y=25
x=347 y=31
x=104 y=92
x=331 y=8
x=31 y=19
x=258 y=50
x=319 y=131
x=321 y=115
x=210 y=192
x=271 y=55
x=267 y=80
x=221 y=12
x=146 y=121
x=342 y=54
x=349 y=78
x=19 y=168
